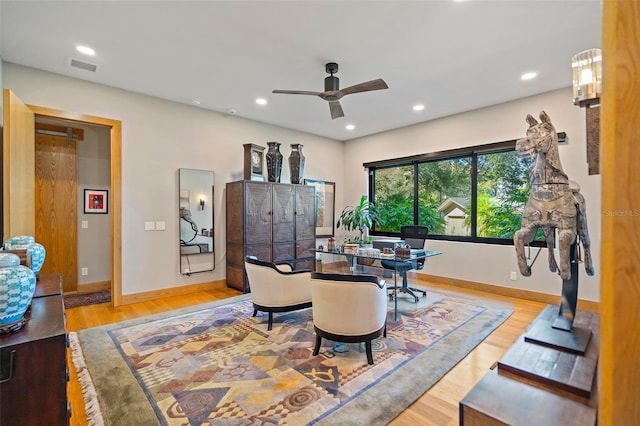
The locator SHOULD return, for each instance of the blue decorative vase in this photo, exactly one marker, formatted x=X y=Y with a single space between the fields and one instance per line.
x=36 y=252
x=17 y=285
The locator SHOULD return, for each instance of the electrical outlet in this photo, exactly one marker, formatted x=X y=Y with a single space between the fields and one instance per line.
x=84 y=271
x=514 y=276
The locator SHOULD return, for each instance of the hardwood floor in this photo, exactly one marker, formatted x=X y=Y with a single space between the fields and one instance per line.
x=438 y=406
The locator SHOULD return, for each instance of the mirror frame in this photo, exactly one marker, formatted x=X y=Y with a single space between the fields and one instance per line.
x=195 y=209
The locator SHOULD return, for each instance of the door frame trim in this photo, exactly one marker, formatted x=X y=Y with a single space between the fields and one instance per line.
x=115 y=127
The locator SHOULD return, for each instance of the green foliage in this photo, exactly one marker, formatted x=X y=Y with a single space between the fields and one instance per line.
x=503 y=188
x=360 y=217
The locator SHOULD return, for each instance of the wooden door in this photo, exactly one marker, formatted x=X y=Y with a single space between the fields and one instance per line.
x=17 y=168
x=56 y=206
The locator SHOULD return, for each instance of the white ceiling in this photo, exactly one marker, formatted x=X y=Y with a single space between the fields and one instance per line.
x=452 y=56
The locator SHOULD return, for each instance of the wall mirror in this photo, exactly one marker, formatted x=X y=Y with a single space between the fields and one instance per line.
x=195 y=217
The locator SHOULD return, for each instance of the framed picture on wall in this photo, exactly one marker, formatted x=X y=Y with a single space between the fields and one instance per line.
x=325 y=206
x=96 y=201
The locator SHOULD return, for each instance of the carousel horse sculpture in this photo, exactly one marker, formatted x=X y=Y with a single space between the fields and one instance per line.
x=554 y=203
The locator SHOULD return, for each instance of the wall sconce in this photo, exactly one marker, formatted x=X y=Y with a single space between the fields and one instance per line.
x=201 y=203
x=587 y=87
x=587 y=77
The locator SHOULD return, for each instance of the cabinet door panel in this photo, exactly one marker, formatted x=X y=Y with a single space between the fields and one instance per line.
x=283 y=213
x=305 y=213
x=282 y=252
x=258 y=213
x=261 y=251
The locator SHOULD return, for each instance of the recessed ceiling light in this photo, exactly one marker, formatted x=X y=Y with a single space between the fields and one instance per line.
x=196 y=101
x=86 y=50
x=418 y=107
x=528 y=76
x=349 y=127
x=261 y=101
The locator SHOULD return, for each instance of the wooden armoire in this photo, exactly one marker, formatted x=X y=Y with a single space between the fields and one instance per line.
x=273 y=221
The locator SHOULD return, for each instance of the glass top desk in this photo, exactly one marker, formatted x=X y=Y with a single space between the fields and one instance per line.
x=360 y=264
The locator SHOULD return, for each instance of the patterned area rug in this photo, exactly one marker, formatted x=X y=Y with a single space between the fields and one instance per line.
x=89 y=298
x=219 y=365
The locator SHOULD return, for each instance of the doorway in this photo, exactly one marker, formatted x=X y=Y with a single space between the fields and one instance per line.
x=19 y=174
x=112 y=129
x=72 y=161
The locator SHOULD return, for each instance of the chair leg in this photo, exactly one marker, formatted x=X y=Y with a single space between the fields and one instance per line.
x=384 y=333
x=316 y=348
x=270 y=325
x=369 y=352
x=255 y=312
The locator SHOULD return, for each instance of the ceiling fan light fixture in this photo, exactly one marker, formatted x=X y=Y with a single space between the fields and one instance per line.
x=332 y=92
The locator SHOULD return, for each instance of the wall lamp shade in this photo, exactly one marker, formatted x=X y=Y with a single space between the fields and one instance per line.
x=587 y=77
x=201 y=203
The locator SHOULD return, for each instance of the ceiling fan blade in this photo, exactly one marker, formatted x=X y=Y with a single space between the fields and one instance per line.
x=297 y=92
x=336 y=110
x=367 y=86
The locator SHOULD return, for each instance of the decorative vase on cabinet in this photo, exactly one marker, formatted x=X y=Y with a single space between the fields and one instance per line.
x=274 y=162
x=35 y=251
x=296 y=163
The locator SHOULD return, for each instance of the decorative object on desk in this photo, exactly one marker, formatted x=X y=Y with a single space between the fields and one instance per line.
x=17 y=285
x=371 y=254
x=296 y=163
x=359 y=218
x=407 y=363
x=274 y=162
x=350 y=248
x=554 y=204
x=325 y=206
x=403 y=252
x=36 y=253
x=253 y=162
x=331 y=244
x=96 y=201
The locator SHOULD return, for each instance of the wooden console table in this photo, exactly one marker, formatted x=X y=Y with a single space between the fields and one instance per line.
x=33 y=362
x=536 y=384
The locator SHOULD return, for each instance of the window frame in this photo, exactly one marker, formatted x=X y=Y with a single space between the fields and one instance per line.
x=472 y=152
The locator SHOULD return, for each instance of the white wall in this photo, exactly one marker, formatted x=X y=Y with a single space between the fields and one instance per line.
x=159 y=137
x=482 y=262
x=94 y=242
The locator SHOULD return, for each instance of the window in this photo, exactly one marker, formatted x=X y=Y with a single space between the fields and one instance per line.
x=474 y=194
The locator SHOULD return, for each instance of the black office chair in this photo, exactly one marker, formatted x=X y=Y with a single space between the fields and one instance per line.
x=414 y=236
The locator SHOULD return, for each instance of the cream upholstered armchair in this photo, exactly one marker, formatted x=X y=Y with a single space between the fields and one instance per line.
x=277 y=288
x=349 y=309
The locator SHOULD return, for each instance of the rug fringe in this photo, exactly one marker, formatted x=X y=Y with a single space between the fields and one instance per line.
x=91 y=404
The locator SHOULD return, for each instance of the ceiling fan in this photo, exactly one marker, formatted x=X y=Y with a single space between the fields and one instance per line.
x=332 y=92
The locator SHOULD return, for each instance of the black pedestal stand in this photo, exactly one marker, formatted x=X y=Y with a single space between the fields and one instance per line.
x=561 y=334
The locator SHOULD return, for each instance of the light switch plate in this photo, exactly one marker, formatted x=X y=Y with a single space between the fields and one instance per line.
x=161 y=226
x=85 y=224
x=149 y=226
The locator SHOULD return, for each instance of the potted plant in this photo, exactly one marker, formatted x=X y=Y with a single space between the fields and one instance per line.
x=361 y=217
